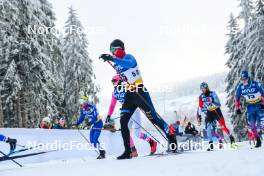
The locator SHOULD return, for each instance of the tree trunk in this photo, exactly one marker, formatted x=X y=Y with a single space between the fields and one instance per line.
x=18 y=111
x=1 y=113
x=24 y=115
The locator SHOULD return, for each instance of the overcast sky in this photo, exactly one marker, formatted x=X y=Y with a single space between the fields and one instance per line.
x=172 y=40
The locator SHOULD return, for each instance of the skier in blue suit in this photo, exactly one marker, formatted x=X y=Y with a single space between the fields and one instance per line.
x=10 y=141
x=136 y=96
x=89 y=114
x=253 y=93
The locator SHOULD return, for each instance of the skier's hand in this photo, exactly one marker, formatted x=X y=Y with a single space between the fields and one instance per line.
x=261 y=106
x=12 y=143
x=88 y=127
x=238 y=112
x=107 y=120
x=106 y=57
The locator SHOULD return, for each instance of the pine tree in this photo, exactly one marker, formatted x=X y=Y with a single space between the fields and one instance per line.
x=31 y=61
x=246 y=11
x=79 y=74
x=245 y=50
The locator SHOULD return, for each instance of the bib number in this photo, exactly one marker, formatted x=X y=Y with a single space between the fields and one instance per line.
x=132 y=75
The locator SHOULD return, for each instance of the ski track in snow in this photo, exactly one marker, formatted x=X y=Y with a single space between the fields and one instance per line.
x=241 y=162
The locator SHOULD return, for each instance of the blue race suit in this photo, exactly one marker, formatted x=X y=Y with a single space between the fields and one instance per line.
x=128 y=70
x=253 y=93
x=90 y=114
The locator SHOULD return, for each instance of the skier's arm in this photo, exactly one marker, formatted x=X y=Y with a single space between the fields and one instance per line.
x=81 y=119
x=216 y=100
x=200 y=102
x=261 y=90
x=2 y=137
x=112 y=106
x=237 y=98
x=127 y=62
x=93 y=119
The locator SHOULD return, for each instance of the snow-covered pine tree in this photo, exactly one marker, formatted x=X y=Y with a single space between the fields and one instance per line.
x=10 y=83
x=79 y=76
x=245 y=50
x=35 y=60
x=246 y=13
x=255 y=51
x=235 y=48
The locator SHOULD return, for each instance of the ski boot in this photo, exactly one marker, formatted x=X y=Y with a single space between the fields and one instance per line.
x=258 y=142
x=134 y=152
x=101 y=155
x=126 y=155
x=12 y=143
x=211 y=146
x=153 y=146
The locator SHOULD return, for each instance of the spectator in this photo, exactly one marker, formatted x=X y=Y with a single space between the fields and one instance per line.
x=178 y=128
x=61 y=124
x=45 y=123
x=190 y=129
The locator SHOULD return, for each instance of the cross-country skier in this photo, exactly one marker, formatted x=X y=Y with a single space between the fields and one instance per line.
x=253 y=93
x=10 y=141
x=126 y=66
x=210 y=103
x=89 y=113
x=135 y=121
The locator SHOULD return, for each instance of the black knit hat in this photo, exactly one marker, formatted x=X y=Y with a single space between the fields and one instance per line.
x=117 y=44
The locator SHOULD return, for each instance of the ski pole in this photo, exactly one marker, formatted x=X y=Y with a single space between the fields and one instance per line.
x=145 y=103
x=11 y=159
x=21 y=145
x=85 y=138
x=147 y=132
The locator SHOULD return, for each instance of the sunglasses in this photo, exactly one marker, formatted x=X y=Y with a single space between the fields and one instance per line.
x=113 y=49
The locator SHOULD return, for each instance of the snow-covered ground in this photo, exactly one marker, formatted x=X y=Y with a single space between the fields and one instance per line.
x=242 y=162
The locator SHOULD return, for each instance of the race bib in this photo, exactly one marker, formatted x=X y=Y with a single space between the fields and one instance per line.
x=132 y=75
x=253 y=97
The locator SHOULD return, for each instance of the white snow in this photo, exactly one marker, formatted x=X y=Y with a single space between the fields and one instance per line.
x=242 y=162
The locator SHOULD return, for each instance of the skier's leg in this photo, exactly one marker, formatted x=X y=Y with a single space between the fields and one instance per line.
x=147 y=106
x=137 y=126
x=251 y=119
x=221 y=120
x=127 y=110
x=136 y=118
x=96 y=134
x=144 y=102
x=260 y=126
x=209 y=120
x=92 y=131
x=260 y=119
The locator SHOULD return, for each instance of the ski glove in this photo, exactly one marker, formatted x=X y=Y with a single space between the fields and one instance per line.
x=238 y=112
x=12 y=143
x=107 y=120
x=261 y=106
x=106 y=57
